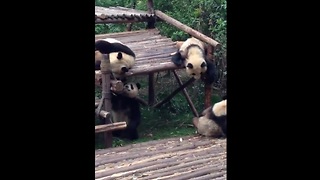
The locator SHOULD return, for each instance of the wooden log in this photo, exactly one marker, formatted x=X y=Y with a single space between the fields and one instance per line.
x=161 y=142
x=121 y=21
x=191 y=80
x=184 y=165
x=195 y=112
x=162 y=163
x=110 y=127
x=214 y=176
x=151 y=69
x=203 y=171
x=187 y=29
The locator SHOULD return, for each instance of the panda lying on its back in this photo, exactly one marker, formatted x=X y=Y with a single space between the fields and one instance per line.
x=213 y=121
x=124 y=107
x=122 y=58
x=191 y=54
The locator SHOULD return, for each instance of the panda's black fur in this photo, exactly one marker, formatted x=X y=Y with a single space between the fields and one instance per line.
x=126 y=106
x=213 y=120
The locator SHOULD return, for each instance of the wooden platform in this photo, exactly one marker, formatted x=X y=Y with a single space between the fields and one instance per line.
x=120 y=15
x=191 y=157
x=152 y=50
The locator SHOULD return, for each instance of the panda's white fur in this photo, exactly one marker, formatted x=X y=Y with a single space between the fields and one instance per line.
x=122 y=58
x=125 y=107
x=191 y=54
x=213 y=121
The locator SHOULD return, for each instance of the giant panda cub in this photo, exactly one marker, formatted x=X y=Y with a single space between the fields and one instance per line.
x=213 y=122
x=122 y=58
x=124 y=107
x=191 y=55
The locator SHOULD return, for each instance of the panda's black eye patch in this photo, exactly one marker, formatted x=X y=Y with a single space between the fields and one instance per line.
x=193 y=74
x=131 y=86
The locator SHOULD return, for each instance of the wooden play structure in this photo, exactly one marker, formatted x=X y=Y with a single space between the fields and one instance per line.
x=152 y=55
x=191 y=157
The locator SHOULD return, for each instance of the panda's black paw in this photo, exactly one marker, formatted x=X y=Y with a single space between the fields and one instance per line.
x=177 y=59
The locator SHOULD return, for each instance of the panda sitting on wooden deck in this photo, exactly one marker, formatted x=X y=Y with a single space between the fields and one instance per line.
x=213 y=122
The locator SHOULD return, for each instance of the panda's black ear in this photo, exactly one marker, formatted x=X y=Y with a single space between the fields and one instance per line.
x=203 y=65
x=119 y=56
x=189 y=65
x=138 y=85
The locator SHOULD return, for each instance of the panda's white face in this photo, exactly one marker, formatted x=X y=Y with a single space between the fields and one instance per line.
x=121 y=62
x=131 y=89
x=195 y=66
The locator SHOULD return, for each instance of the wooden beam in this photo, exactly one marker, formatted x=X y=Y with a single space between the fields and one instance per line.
x=110 y=127
x=191 y=80
x=187 y=29
x=195 y=113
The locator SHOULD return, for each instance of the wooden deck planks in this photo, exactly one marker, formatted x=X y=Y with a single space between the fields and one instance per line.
x=192 y=157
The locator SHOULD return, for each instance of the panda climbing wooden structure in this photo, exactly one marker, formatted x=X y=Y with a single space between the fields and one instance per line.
x=125 y=108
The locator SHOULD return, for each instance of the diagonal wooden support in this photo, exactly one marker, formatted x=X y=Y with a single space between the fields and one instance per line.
x=191 y=80
x=195 y=113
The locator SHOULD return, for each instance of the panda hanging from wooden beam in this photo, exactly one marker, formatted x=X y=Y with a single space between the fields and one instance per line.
x=192 y=55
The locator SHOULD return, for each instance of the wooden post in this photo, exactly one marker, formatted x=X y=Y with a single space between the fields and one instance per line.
x=151 y=23
x=129 y=26
x=106 y=95
x=207 y=86
x=151 y=89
